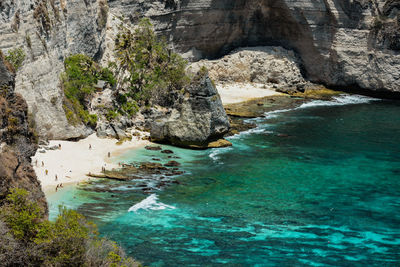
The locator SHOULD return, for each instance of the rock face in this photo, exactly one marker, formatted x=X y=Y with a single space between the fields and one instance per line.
x=17 y=141
x=197 y=121
x=340 y=43
x=49 y=31
x=264 y=65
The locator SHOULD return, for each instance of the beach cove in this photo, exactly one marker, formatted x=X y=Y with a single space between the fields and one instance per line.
x=279 y=206
x=72 y=161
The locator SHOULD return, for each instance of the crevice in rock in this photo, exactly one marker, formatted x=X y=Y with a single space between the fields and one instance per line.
x=16 y=168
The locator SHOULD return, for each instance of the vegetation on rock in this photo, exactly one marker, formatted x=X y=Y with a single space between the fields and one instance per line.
x=151 y=73
x=42 y=17
x=148 y=73
x=16 y=57
x=78 y=81
x=27 y=238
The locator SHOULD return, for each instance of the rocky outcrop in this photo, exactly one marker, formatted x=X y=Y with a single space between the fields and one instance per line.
x=268 y=65
x=17 y=141
x=340 y=43
x=195 y=122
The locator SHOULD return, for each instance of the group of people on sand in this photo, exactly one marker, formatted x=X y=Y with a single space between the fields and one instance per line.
x=59 y=186
x=90 y=148
x=36 y=163
x=56 y=176
x=45 y=171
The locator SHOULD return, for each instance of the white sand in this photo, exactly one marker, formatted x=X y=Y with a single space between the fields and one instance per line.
x=74 y=160
x=239 y=92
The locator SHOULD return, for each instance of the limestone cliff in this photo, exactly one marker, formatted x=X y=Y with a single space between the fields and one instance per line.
x=48 y=31
x=17 y=141
x=340 y=42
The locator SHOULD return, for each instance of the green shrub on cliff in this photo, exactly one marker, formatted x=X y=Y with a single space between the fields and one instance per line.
x=29 y=239
x=16 y=57
x=64 y=241
x=78 y=81
x=153 y=71
x=22 y=216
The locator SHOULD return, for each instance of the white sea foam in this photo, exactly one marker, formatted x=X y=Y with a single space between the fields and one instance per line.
x=261 y=128
x=255 y=130
x=250 y=131
x=214 y=155
x=274 y=113
x=340 y=100
x=215 y=152
x=150 y=203
x=344 y=99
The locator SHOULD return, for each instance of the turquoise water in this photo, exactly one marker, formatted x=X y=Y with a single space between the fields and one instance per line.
x=314 y=186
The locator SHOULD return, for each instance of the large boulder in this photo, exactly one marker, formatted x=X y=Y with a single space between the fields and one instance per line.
x=195 y=122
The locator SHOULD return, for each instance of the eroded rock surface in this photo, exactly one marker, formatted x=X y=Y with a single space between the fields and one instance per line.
x=17 y=141
x=49 y=31
x=264 y=65
x=198 y=120
x=340 y=43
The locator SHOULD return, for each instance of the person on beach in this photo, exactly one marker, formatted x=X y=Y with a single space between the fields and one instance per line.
x=56 y=177
x=90 y=146
x=47 y=172
x=42 y=164
x=109 y=154
x=56 y=188
x=59 y=146
x=36 y=163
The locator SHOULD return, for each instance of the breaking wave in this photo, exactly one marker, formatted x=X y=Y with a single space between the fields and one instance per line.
x=340 y=101
x=150 y=203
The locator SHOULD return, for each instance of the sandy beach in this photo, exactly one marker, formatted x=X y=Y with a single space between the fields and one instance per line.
x=74 y=160
x=239 y=92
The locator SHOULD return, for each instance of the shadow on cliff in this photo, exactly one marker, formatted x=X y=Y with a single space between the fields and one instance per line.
x=226 y=25
x=212 y=30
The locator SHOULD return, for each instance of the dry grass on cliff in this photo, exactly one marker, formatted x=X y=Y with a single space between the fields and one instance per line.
x=6 y=63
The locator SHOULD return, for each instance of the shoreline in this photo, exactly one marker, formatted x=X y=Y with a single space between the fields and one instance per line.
x=236 y=92
x=74 y=160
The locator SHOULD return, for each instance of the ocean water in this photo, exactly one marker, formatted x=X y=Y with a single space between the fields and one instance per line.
x=318 y=185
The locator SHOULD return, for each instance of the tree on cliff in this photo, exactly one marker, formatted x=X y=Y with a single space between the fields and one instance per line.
x=150 y=71
x=28 y=239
